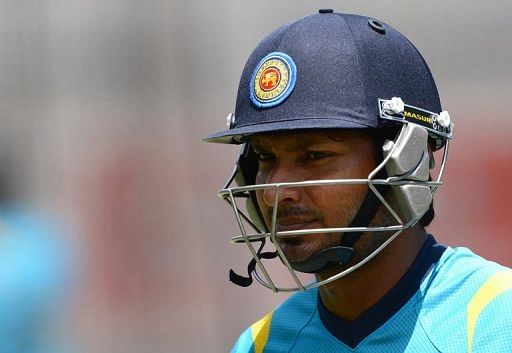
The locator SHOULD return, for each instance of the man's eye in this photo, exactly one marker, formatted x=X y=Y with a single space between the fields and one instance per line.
x=263 y=157
x=316 y=155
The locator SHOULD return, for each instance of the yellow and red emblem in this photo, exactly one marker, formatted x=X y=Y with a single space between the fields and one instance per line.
x=273 y=80
x=269 y=79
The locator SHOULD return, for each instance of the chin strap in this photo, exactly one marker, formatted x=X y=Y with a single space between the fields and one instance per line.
x=251 y=267
x=364 y=216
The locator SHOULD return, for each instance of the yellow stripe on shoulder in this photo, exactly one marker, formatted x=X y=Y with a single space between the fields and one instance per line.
x=260 y=332
x=497 y=284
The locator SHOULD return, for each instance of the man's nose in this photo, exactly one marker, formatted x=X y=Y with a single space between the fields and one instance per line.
x=281 y=174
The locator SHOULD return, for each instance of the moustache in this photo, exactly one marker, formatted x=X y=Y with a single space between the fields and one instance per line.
x=289 y=211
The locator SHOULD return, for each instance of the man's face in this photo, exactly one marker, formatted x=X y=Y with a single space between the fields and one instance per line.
x=312 y=156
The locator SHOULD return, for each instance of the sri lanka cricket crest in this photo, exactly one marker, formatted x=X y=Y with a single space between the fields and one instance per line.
x=273 y=80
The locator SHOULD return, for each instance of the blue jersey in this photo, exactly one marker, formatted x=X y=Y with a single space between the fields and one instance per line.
x=451 y=300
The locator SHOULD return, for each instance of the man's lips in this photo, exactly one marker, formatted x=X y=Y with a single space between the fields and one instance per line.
x=289 y=224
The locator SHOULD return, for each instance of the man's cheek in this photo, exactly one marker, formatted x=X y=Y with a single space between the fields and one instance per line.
x=262 y=206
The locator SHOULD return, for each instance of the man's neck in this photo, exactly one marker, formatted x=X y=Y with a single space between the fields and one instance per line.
x=350 y=296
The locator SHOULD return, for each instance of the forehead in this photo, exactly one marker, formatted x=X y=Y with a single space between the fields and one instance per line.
x=302 y=140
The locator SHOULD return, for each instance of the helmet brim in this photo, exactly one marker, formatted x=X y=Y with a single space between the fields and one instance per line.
x=239 y=135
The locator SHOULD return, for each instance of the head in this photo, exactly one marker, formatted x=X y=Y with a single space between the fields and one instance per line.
x=333 y=164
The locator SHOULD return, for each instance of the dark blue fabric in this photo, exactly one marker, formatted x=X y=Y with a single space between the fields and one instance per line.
x=343 y=67
x=352 y=333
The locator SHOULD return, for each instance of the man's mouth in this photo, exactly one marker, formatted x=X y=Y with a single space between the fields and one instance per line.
x=294 y=223
x=295 y=242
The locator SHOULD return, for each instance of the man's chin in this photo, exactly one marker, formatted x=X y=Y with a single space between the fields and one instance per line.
x=300 y=249
x=297 y=250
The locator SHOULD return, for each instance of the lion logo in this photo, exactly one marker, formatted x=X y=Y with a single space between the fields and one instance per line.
x=269 y=79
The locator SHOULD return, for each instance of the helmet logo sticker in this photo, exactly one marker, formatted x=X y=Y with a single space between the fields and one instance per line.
x=272 y=80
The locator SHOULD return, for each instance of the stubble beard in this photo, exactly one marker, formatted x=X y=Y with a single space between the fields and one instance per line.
x=302 y=248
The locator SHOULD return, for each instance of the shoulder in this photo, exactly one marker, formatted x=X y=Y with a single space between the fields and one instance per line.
x=278 y=330
x=467 y=302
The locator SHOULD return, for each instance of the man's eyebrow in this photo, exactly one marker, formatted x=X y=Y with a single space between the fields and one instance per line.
x=314 y=140
x=309 y=141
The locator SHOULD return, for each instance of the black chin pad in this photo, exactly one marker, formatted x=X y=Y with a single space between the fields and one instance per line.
x=251 y=268
x=240 y=280
x=324 y=260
